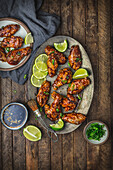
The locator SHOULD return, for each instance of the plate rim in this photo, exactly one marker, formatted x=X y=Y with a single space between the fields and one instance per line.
x=31 y=45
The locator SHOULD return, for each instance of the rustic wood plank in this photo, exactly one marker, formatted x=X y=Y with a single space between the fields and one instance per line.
x=18 y=138
x=104 y=77
x=92 y=49
x=7 y=162
x=79 y=153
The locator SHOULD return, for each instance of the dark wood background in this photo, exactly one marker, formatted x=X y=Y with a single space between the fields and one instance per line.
x=90 y=22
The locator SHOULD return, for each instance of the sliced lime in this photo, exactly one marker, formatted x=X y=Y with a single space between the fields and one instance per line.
x=39 y=74
x=41 y=57
x=41 y=66
x=32 y=133
x=37 y=82
x=28 y=38
x=57 y=126
x=61 y=46
x=80 y=73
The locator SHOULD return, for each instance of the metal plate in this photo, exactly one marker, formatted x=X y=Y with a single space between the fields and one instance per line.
x=88 y=92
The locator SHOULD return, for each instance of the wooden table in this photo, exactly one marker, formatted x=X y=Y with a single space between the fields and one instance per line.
x=90 y=23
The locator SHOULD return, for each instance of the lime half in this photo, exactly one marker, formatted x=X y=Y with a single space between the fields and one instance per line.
x=37 y=82
x=28 y=38
x=32 y=133
x=41 y=57
x=39 y=74
x=41 y=66
x=57 y=126
x=80 y=73
x=61 y=46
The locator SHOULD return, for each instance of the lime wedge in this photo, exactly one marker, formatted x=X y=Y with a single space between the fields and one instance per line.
x=39 y=74
x=57 y=126
x=80 y=73
x=28 y=38
x=41 y=57
x=41 y=66
x=32 y=133
x=61 y=46
x=37 y=82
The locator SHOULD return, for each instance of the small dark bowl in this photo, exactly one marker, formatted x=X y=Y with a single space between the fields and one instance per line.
x=20 y=116
x=95 y=142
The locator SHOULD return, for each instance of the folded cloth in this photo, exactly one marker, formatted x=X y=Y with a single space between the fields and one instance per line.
x=41 y=24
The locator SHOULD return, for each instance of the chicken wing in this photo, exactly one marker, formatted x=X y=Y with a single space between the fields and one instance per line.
x=60 y=56
x=2 y=55
x=43 y=93
x=52 y=65
x=13 y=41
x=75 y=59
x=74 y=118
x=15 y=56
x=64 y=77
x=53 y=112
x=9 y=30
x=69 y=102
x=78 y=85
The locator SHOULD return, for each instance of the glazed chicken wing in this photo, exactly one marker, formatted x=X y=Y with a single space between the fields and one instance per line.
x=60 y=56
x=78 y=85
x=69 y=102
x=75 y=59
x=2 y=55
x=43 y=94
x=52 y=65
x=64 y=77
x=13 y=41
x=53 y=111
x=15 y=56
x=74 y=118
x=9 y=30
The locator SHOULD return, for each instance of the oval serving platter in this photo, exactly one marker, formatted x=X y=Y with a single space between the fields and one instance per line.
x=4 y=66
x=87 y=93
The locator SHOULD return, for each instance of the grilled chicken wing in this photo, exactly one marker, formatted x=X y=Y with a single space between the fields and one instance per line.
x=43 y=94
x=78 y=85
x=9 y=30
x=74 y=118
x=69 y=102
x=14 y=57
x=75 y=59
x=64 y=77
x=2 y=55
x=60 y=56
x=13 y=41
x=52 y=65
x=53 y=111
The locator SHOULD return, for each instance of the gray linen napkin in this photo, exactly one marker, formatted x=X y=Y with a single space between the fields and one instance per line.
x=41 y=24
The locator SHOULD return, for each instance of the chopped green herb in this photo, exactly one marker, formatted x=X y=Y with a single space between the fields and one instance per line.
x=69 y=65
x=95 y=131
x=57 y=110
x=69 y=84
x=61 y=114
x=18 y=53
x=56 y=87
x=64 y=96
x=53 y=61
x=2 y=26
x=12 y=49
x=25 y=76
x=79 y=97
x=14 y=91
x=7 y=49
x=20 y=134
x=46 y=93
x=36 y=118
x=40 y=109
x=45 y=116
x=52 y=52
x=67 y=77
x=78 y=59
x=73 y=87
x=12 y=56
x=7 y=42
x=64 y=81
x=36 y=115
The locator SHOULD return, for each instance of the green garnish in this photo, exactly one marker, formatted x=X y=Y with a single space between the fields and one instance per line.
x=36 y=118
x=2 y=26
x=69 y=65
x=57 y=110
x=45 y=116
x=18 y=53
x=8 y=49
x=46 y=92
x=67 y=77
x=25 y=76
x=20 y=134
x=95 y=131
x=40 y=109
x=79 y=97
x=73 y=87
x=61 y=114
x=12 y=56
x=7 y=42
x=64 y=81
x=69 y=84
x=56 y=86
x=14 y=91
x=12 y=49
x=52 y=52
x=78 y=59
x=53 y=61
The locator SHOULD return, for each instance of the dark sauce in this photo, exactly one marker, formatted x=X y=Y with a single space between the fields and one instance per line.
x=14 y=115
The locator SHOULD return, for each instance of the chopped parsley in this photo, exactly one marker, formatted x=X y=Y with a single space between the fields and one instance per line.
x=69 y=84
x=67 y=77
x=78 y=59
x=25 y=76
x=73 y=87
x=7 y=49
x=40 y=109
x=52 y=52
x=61 y=114
x=7 y=42
x=79 y=97
x=14 y=91
x=45 y=116
x=36 y=118
x=64 y=81
x=69 y=65
x=18 y=53
x=53 y=61
x=12 y=56
x=57 y=110
x=46 y=92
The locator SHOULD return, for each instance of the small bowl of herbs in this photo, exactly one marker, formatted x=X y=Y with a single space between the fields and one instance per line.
x=96 y=132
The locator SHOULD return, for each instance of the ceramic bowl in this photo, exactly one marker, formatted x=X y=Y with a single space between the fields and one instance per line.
x=96 y=142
